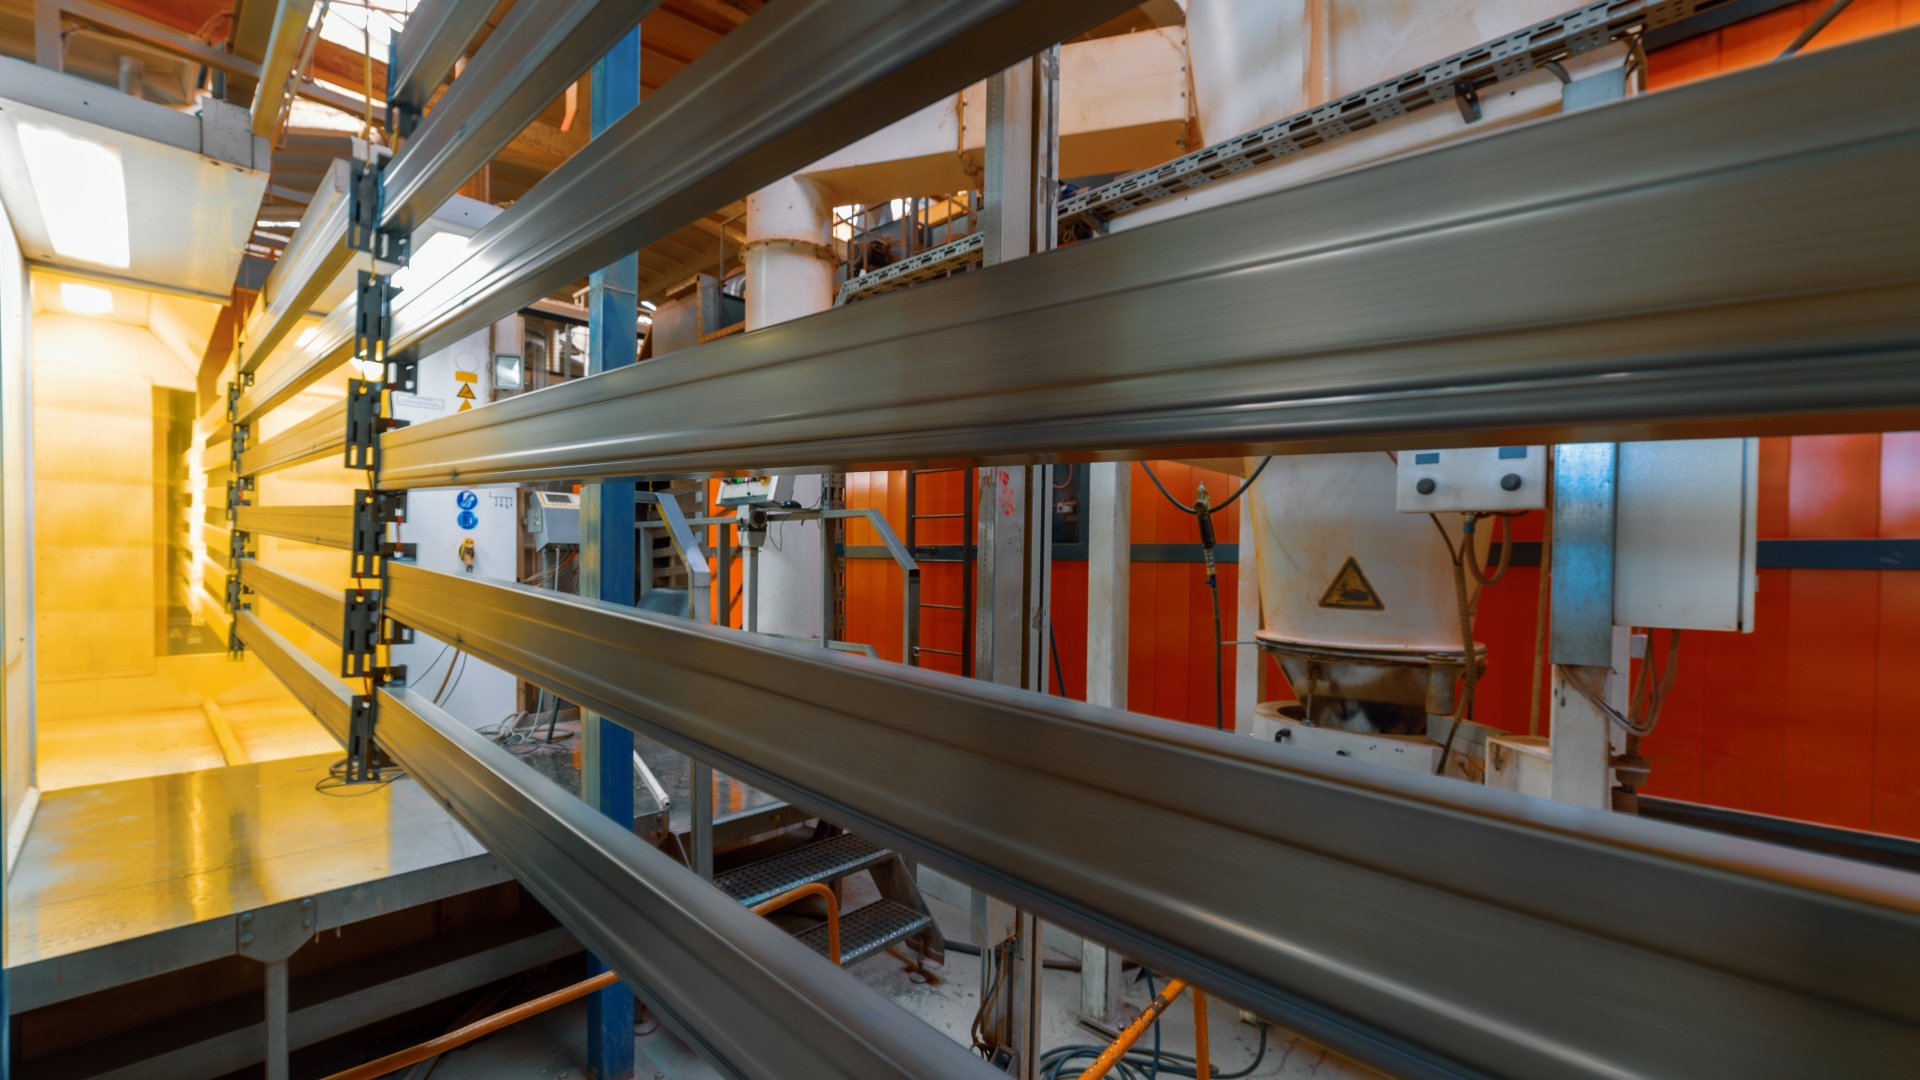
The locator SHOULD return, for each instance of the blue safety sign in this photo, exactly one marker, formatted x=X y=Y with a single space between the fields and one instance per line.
x=468 y=501
x=468 y=519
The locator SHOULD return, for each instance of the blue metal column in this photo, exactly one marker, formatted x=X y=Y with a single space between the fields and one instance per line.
x=607 y=523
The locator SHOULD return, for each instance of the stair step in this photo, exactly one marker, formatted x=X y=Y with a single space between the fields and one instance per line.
x=823 y=860
x=867 y=930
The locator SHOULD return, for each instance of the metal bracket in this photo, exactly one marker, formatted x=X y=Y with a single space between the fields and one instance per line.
x=360 y=633
x=233 y=402
x=373 y=317
x=1468 y=98
x=365 y=200
x=363 y=425
x=275 y=933
x=373 y=511
x=403 y=374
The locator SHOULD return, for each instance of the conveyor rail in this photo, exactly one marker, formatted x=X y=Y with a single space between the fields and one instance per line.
x=1754 y=276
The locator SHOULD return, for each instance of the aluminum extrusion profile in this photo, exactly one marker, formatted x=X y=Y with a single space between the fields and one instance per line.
x=1746 y=268
x=314 y=257
x=276 y=67
x=1352 y=904
x=327 y=526
x=750 y=999
x=291 y=372
x=323 y=433
x=297 y=596
x=794 y=82
x=436 y=36
x=325 y=696
x=525 y=63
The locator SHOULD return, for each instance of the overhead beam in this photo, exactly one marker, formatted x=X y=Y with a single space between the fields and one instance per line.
x=276 y=67
x=436 y=36
x=528 y=61
x=1351 y=904
x=743 y=993
x=794 y=82
x=1543 y=287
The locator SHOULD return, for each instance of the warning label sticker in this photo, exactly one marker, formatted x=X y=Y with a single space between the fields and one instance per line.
x=1351 y=589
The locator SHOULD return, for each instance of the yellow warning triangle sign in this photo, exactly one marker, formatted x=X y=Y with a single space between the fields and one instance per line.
x=466 y=391
x=464 y=406
x=1351 y=589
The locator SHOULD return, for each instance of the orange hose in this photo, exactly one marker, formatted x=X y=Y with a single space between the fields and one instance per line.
x=1118 y=1049
x=486 y=1026
x=802 y=892
x=1203 y=1067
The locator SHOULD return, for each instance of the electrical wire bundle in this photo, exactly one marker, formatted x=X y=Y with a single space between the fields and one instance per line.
x=1203 y=510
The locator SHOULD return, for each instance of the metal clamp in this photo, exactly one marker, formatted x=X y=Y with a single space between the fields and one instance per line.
x=373 y=511
x=363 y=425
x=366 y=196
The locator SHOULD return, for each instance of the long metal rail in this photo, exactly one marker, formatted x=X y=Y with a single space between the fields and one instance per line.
x=436 y=35
x=796 y=81
x=319 y=608
x=526 y=62
x=1356 y=906
x=314 y=257
x=1733 y=256
x=328 y=526
x=750 y=999
x=315 y=437
x=325 y=696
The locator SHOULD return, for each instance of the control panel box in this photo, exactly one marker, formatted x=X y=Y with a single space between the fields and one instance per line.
x=756 y=491
x=1473 y=478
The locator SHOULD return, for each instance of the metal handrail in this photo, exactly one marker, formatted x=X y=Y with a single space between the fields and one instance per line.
x=801 y=892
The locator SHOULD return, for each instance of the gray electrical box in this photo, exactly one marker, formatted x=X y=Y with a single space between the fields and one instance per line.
x=1685 y=521
x=553 y=520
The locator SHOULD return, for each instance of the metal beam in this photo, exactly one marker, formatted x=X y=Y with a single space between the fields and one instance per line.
x=436 y=36
x=276 y=67
x=323 y=433
x=794 y=82
x=325 y=696
x=1350 y=904
x=328 y=526
x=1748 y=272
x=741 y=992
x=314 y=257
x=528 y=61
x=319 y=608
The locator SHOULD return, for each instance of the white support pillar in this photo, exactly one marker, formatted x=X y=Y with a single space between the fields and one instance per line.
x=1109 y=516
x=788 y=257
x=1247 y=688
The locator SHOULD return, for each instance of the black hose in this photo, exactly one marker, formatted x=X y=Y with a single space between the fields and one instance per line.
x=1231 y=499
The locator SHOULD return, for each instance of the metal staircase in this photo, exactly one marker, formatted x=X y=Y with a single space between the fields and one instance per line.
x=900 y=915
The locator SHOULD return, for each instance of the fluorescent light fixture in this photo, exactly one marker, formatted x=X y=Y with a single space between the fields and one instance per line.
x=82 y=190
x=644 y=321
x=442 y=252
x=85 y=299
x=649 y=305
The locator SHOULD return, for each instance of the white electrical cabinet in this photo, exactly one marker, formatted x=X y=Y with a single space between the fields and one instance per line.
x=1472 y=478
x=1685 y=547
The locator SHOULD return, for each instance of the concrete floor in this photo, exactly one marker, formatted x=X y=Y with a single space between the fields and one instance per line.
x=554 y=1045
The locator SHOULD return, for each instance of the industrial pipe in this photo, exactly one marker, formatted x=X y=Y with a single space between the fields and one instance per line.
x=486 y=1026
x=459 y=1037
x=1118 y=1049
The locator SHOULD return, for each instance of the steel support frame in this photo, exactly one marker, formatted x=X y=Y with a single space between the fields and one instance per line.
x=1326 y=317
x=1277 y=880
x=608 y=541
